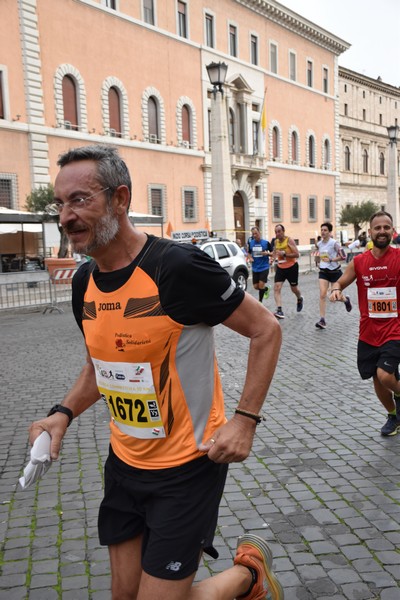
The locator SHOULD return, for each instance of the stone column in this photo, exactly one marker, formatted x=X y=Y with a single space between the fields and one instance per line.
x=221 y=179
x=32 y=66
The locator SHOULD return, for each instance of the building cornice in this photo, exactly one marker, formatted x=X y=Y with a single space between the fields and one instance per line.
x=375 y=84
x=288 y=19
x=360 y=132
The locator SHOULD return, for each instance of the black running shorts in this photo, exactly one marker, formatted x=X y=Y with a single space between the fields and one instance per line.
x=331 y=275
x=260 y=276
x=291 y=274
x=386 y=357
x=175 y=509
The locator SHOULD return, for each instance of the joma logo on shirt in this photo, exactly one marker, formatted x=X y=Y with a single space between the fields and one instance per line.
x=109 y=306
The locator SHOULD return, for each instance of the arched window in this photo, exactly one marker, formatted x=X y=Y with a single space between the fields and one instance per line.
x=347 y=159
x=114 y=106
x=153 y=117
x=70 y=105
x=381 y=164
x=152 y=109
x=365 y=161
x=70 y=99
x=311 y=151
x=115 y=109
x=327 y=154
x=275 y=143
x=295 y=149
x=232 y=142
x=186 y=126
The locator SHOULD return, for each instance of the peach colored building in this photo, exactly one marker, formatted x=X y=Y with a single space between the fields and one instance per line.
x=133 y=73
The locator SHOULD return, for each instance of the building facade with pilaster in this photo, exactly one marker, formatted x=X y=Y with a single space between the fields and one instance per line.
x=367 y=107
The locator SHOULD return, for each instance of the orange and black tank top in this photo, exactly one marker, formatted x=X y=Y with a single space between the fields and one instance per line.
x=154 y=361
x=284 y=263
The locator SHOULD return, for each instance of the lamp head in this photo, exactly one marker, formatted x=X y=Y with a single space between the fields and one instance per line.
x=217 y=75
x=392 y=132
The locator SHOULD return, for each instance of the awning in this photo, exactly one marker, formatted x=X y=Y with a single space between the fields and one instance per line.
x=16 y=227
x=20 y=224
x=12 y=221
x=8 y=215
x=145 y=219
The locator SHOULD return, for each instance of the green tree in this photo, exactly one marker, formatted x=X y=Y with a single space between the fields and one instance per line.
x=36 y=201
x=358 y=215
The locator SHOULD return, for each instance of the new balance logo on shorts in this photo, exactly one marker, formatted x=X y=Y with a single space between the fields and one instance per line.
x=174 y=566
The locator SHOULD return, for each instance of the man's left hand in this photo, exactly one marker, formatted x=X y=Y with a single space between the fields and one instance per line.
x=230 y=443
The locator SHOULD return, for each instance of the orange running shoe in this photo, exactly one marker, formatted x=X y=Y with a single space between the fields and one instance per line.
x=254 y=552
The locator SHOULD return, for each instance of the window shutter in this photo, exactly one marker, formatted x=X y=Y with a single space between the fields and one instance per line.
x=153 y=118
x=190 y=208
x=186 y=124
x=69 y=102
x=114 y=110
x=156 y=202
x=6 y=193
x=2 y=115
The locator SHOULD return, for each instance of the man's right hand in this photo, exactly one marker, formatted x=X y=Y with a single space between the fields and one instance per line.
x=337 y=296
x=56 y=427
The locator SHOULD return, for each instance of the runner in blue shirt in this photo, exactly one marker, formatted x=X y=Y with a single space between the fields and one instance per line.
x=260 y=250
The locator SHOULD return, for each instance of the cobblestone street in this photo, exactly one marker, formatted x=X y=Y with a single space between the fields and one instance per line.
x=321 y=485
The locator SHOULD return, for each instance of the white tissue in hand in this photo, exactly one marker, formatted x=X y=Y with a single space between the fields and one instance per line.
x=40 y=460
x=40 y=451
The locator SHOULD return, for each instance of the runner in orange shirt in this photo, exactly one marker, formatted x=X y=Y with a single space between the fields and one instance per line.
x=147 y=307
x=287 y=269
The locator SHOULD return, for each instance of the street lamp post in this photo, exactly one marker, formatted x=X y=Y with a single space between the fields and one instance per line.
x=221 y=180
x=393 y=178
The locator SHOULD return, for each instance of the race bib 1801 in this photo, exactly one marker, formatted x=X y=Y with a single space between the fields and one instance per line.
x=382 y=302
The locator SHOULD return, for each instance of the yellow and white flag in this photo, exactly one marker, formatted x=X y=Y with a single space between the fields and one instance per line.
x=263 y=122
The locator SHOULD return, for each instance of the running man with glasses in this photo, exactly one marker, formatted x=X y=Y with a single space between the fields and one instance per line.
x=76 y=204
x=170 y=441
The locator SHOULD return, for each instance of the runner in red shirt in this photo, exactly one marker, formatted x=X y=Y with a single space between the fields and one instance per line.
x=377 y=272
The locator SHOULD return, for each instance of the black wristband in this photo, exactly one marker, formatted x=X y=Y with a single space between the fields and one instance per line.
x=62 y=409
x=250 y=415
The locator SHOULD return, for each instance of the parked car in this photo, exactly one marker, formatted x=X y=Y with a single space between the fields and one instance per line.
x=230 y=257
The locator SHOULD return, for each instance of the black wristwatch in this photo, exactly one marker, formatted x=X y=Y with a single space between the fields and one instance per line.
x=62 y=409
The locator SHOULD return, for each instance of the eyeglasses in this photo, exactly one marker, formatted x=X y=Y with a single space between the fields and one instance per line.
x=76 y=204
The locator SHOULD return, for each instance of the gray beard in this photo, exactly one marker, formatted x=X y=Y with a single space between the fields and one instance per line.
x=106 y=230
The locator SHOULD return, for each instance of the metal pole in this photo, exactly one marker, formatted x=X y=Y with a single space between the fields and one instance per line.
x=393 y=185
x=23 y=241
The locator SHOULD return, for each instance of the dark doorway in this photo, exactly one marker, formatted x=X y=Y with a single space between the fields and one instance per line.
x=238 y=213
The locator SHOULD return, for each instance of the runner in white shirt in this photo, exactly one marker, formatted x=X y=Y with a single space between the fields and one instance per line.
x=330 y=256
